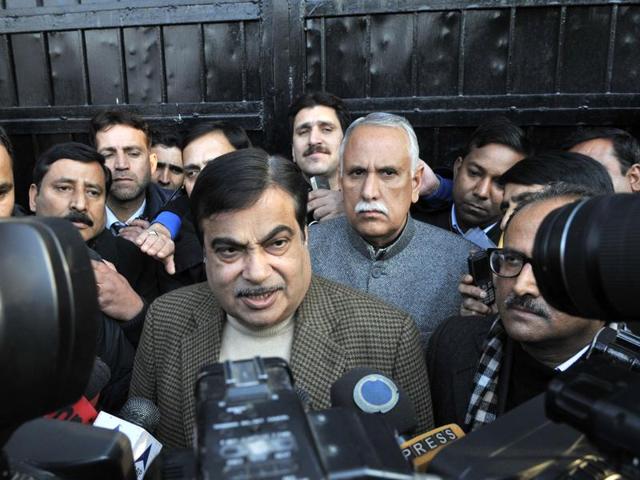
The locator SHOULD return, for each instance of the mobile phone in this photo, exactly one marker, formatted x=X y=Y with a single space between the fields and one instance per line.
x=318 y=181
x=480 y=270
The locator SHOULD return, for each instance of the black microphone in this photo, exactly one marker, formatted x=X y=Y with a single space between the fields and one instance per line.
x=370 y=391
x=100 y=376
x=141 y=412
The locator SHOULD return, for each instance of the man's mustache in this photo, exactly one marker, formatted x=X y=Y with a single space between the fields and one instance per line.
x=79 y=217
x=529 y=303
x=363 y=206
x=316 y=148
x=255 y=291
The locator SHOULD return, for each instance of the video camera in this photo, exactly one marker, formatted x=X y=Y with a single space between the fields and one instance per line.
x=252 y=424
x=48 y=327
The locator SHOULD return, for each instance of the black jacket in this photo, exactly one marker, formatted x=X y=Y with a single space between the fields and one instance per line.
x=116 y=351
x=453 y=354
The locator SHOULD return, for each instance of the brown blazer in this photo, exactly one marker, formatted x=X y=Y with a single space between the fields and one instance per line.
x=337 y=329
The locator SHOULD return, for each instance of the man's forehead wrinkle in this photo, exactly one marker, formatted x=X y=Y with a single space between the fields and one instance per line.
x=227 y=237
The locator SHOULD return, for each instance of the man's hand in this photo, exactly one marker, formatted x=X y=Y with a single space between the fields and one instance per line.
x=116 y=298
x=156 y=242
x=472 y=298
x=429 y=182
x=325 y=204
x=133 y=230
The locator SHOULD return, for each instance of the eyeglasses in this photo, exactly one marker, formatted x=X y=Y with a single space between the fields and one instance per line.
x=507 y=263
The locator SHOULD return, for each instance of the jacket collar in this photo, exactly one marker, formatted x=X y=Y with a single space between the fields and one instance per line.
x=368 y=251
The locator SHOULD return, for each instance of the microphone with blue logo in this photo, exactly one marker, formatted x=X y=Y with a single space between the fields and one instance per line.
x=371 y=392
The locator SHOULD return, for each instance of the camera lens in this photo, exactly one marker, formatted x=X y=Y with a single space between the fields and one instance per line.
x=586 y=258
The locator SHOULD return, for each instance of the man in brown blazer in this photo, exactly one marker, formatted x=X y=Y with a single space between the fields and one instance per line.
x=261 y=299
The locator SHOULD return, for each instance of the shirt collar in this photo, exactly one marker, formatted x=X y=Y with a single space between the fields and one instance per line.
x=456 y=227
x=369 y=251
x=111 y=217
x=567 y=363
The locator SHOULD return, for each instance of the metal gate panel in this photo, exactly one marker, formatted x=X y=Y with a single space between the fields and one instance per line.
x=447 y=65
x=437 y=53
x=535 y=49
x=184 y=65
x=625 y=68
x=105 y=66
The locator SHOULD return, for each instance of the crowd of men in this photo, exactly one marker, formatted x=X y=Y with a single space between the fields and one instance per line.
x=352 y=253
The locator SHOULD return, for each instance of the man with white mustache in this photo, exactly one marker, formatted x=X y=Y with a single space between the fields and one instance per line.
x=378 y=247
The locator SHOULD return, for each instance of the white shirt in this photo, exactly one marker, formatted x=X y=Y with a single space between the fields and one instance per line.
x=111 y=217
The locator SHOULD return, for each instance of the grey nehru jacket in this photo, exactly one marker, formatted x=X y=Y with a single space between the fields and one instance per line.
x=419 y=273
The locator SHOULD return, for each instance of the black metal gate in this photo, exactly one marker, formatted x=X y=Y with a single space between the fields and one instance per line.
x=445 y=65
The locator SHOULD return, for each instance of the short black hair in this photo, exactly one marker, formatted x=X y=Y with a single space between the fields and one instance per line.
x=166 y=138
x=625 y=146
x=236 y=135
x=559 y=166
x=501 y=131
x=325 y=99
x=109 y=118
x=236 y=180
x=78 y=152
x=554 y=190
x=6 y=143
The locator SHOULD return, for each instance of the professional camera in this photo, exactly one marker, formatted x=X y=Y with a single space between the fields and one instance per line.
x=251 y=424
x=586 y=258
x=48 y=328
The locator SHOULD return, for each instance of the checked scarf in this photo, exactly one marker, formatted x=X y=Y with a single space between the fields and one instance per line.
x=483 y=406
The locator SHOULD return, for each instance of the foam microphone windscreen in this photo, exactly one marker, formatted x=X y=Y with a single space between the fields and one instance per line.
x=141 y=412
x=370 y=391
x=100 y=376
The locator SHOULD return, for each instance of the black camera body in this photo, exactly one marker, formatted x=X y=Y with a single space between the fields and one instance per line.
x=251 y=423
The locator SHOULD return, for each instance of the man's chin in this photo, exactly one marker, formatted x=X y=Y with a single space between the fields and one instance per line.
x=87 y=233
x=475 y=220
x=375 y=233
x=126 y=194
x=259 y=320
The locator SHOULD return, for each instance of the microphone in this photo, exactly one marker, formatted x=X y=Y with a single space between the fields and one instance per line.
x=100 y=376
x=139 y=414
x=84 y=410
x=369 y=391
x=421 y=449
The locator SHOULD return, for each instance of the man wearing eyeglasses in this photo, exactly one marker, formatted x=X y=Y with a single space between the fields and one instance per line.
x=482 y=367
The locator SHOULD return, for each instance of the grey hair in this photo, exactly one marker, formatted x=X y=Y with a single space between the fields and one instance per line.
x=383 y=119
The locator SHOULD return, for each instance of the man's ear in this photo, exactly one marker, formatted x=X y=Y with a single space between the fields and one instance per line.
x=293 y=155
x=633 y=177
x=153 y=161
x=306 y=235
x=456 y=166
x=416 y=182
x=33 y=193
